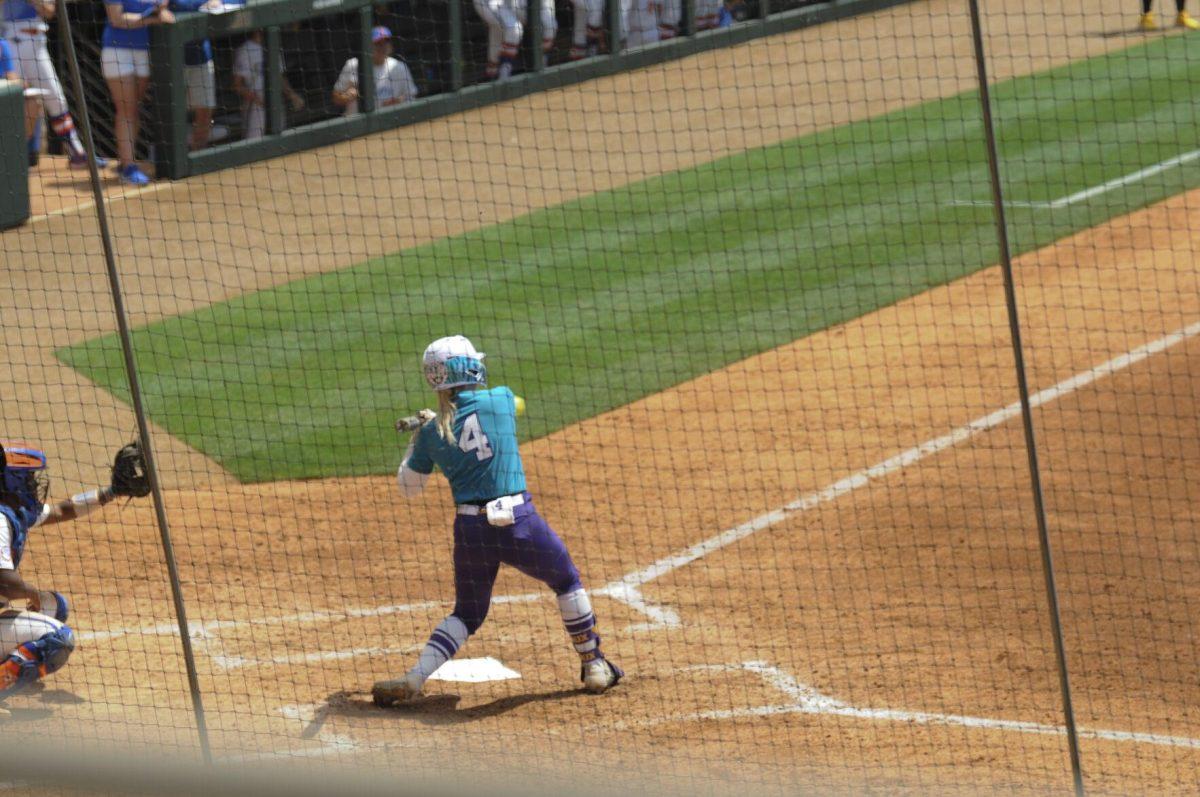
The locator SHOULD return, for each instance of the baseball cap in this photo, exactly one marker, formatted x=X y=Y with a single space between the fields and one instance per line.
x=380 y=33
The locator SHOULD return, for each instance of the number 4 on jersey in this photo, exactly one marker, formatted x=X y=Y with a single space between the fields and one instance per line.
x=473 y=438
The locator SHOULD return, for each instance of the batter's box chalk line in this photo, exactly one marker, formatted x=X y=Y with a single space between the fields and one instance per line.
x=804 y=699
x=799 y=698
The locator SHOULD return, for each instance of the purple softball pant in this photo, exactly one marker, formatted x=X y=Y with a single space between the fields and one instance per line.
x=529 y=545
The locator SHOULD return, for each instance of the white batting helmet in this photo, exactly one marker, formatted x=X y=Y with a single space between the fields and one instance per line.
x=453 y=362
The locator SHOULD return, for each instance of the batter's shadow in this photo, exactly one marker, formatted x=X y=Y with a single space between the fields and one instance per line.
x=430 y=710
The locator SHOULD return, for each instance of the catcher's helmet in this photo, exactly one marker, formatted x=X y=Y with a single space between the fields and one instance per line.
x=24 y=475
x=453 y=362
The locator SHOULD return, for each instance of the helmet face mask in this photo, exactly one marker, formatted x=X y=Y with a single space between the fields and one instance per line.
x=24 y=476
x=453 y=362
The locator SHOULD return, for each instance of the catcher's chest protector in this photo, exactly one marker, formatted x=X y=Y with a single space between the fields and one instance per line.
x=19 y=521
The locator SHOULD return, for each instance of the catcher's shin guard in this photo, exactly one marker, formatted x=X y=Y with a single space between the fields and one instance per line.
x=19 y=670
x=33 y=660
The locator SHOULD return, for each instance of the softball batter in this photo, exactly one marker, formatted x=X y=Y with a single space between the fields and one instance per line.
x=473 y=439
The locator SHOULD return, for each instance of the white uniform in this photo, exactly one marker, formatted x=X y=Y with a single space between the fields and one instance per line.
x=640 y=21
x=669 y=14
x=587 y=28
x=506 y=24
x=394 y=83
x=26 y=32
x=707 y=12
x=17 y=626
x=248 y=65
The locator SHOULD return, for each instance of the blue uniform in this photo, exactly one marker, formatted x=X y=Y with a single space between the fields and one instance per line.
x=126 y=38
x=7 y=63
x=20 y=521
x=481 y=461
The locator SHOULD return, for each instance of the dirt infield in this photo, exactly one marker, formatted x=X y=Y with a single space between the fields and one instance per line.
x=891 y=629
x=818 y=565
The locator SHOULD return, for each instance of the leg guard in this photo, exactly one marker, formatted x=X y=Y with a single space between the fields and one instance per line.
x=580 y=622
x=62 y=125
x=19 y=670
x=33 y=660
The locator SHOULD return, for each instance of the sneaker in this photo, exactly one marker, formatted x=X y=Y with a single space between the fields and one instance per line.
x=4 y=713
x=1184 y=20
x=397 y=690
x=600 y=675
x=132 y=175
x=79 y=161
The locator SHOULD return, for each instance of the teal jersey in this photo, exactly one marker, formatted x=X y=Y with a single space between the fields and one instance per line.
x=481 y=462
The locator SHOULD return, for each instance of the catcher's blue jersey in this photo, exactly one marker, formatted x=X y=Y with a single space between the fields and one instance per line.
x=481 y=461
x=19 y=522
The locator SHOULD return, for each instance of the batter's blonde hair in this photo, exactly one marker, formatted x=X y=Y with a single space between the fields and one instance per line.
x=445 y=413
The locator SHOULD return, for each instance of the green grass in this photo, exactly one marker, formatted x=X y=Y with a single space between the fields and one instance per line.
x=597 y=302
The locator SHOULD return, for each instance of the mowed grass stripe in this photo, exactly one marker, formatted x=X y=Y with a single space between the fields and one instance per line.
x=598 y=302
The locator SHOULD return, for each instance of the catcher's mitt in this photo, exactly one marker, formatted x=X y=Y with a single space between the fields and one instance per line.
x=129 y=475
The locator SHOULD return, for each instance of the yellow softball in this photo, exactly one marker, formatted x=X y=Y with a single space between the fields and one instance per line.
x=520 y=404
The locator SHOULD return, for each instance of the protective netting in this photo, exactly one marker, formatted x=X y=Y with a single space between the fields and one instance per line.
x=738 y=261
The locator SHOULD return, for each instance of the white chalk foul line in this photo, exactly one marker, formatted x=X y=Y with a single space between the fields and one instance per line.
x=109 y=198
x=1133 y=177
x=1088 y=193
x=806 y=700
x=894 y=463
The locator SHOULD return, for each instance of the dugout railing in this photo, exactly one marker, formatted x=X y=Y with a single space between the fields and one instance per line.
x=174 y=160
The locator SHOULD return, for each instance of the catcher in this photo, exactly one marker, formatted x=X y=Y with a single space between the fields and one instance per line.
x=473 y=439
x=34 y=641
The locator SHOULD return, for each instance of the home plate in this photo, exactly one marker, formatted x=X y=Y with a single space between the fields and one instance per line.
x=474 y=671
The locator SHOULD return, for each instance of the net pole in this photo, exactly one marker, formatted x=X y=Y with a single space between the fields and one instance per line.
x=135 y=388
x=1010 y=298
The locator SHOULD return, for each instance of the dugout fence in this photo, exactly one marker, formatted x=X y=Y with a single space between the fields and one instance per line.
x=857 y=365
